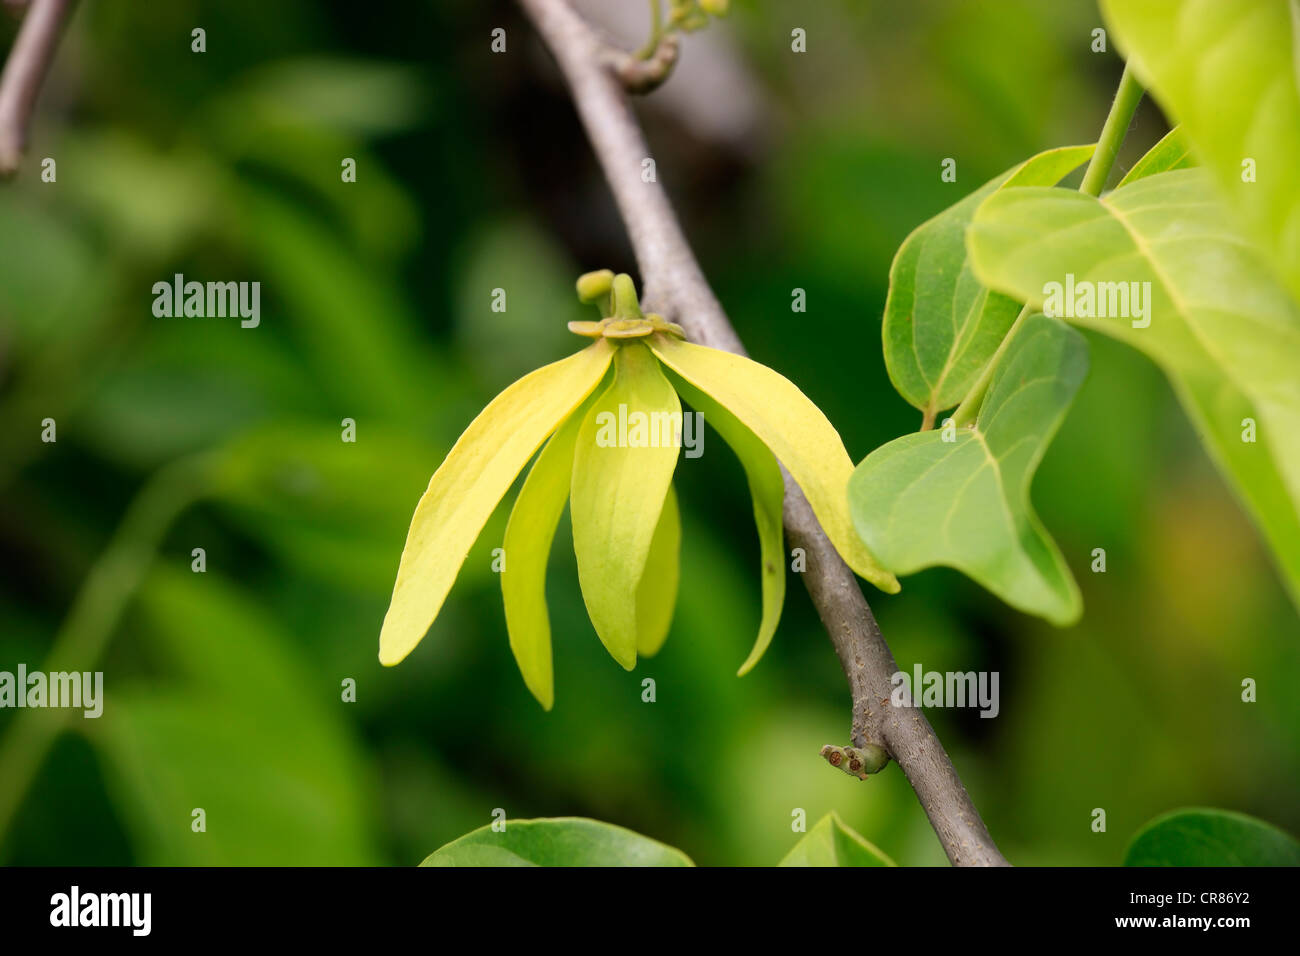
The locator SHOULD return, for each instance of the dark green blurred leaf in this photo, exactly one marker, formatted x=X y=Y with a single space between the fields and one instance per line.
x=563 y=841
x=851 y=198
x=1211 y=838
x=242 y=729
x=537 y=281
x=51 y=279
x=192 y=384
x=152 y=203
x=359 y=97
x=354 y=327
x=300 y=119
x=338 y=508
x=1000 y=86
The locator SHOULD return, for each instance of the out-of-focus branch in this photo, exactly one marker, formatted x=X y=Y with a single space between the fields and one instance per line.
x=675 y=287
x=24 y=72
x=643 y=74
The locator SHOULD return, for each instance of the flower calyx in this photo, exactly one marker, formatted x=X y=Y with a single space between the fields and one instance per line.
x=615 y=296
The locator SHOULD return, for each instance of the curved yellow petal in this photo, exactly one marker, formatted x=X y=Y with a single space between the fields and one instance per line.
x=656 y=595
x=527 y=548
x=792 y=427
x=622 y=467
x=470 y=482
x=767 y=489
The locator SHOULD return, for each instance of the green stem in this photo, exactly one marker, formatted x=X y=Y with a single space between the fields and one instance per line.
x=1112 y=134
x=970 y=405
x=93 y=618
x=656 y=31
x=1094 y=179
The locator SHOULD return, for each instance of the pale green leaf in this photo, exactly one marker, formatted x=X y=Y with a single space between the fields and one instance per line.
x=1227 y=73
x=941 y=325
x=622 y=467
x=1220 y=325
x=832 y=842
x=466 y=488
x=921 y=500
x=793 y=429
x=527 y=548
x=1171 y=152
x=1202 y=837
x=561 y=841
x=767 y=491
x=656 y=595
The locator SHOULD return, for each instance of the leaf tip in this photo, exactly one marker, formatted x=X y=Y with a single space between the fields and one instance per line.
x=1069 y=614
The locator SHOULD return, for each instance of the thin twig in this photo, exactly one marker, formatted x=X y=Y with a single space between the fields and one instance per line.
x=24 y=72
x=642 y=74
x=675 y=287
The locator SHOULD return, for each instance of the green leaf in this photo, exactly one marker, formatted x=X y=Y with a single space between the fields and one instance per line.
x=1172 y=152
x=53 y=289
x=767 y=490
x=833 y=843
x=527 y=264
x=656 y=595
x=1223 y=330
x=467 y=486
x=1227 y=72
x=324 y=506
x=234 y=720
x=921 y=501
x=941 y=325
x=619 y=485
x=1203 y=837
x=379 y=365
x=359 y=97
x=559 y=841
x=793 y=429
x=527 y=548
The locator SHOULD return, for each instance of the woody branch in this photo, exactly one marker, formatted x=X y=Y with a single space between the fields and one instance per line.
x=676 y=287
x=24 y=72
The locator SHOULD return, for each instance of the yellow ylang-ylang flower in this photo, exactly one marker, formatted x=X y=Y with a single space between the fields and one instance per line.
x=626 y=525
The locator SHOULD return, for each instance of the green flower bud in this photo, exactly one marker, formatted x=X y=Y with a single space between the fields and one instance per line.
x=623 y=290
x=593 y=285
x=856 y=761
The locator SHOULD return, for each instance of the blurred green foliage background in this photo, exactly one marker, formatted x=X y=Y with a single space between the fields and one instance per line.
x=790 y=171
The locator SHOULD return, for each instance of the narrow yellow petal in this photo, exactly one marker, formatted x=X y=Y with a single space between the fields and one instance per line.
x=622 y=467
x=767 y=489
x=795 y=430
x=656 y=595
x=467 y=486
x=527 y=549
